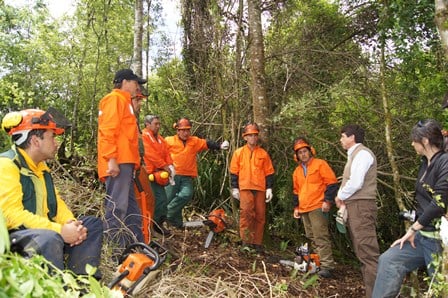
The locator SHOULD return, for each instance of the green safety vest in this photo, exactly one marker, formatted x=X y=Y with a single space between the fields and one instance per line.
x=29 y=180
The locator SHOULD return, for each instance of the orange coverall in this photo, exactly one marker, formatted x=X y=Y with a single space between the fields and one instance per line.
x=252 y=169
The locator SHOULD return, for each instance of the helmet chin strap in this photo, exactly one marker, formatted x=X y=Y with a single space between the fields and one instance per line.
x=23 y=136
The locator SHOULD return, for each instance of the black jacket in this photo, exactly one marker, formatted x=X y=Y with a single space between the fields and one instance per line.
x=432 y=179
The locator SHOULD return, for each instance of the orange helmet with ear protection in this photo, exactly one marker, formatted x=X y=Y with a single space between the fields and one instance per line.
x=26 y=120
x=302 y=143
x=251 y=128
x=19 y=124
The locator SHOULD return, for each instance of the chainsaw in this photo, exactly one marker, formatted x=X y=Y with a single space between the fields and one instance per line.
x=215 y=222
x=137 y=263
x=304 y=260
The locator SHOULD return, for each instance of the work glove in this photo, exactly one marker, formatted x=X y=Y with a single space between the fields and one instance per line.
x=224 y=145
x=236 y=193
x=444 y=230
x=268 y=195
x=172 y=174
x=172 y=171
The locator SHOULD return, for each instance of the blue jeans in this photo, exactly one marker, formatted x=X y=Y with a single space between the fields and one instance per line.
x=51 y=246
x=395 y=263
x=179 y=196
x=123 y=217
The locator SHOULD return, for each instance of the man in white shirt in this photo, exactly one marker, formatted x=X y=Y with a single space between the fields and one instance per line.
x=357 y=194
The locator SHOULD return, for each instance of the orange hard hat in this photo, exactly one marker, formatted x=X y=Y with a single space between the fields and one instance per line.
x=22 y=122
x=182 y=123
x=302 y=143
x=141 y=92
x=251 y=128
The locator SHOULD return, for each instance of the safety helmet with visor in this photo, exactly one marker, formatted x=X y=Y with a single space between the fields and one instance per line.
x=19 y=124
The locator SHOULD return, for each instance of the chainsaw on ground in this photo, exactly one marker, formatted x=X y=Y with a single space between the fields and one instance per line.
x=216 y=221
x=304 y=260
x=138 y=265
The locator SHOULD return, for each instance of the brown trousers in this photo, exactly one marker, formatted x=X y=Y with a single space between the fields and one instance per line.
x=361 y=222
x=252 y=216
x=316 y=229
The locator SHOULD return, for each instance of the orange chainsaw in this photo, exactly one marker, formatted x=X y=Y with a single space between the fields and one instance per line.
x=136 y=263
x=216 y=221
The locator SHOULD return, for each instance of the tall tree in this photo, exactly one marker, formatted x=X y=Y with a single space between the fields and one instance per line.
x=257 y=61
x=137 y=64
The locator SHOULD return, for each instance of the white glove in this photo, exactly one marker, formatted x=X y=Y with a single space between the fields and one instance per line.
x=225 y=145
x=172 y=171
x=236 y=193
x=268 y=195
x=444 y=230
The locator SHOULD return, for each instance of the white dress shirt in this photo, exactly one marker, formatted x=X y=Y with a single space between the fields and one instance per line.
x=360 y=165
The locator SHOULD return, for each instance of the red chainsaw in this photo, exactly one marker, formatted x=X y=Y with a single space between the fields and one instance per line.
x=216 y=222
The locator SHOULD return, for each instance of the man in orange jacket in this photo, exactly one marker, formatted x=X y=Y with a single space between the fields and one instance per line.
x=314 y=189
x=183 y=148
x=252 y=179
x=118 y=157
x=157 y=160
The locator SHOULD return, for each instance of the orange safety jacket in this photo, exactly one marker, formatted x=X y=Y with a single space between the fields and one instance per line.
x=184 y=154
x=251 y=167
x=311 y=188
x=156 y=155
x=117 y=131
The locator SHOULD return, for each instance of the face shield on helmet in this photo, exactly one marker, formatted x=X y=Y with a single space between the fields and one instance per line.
x=19 y=124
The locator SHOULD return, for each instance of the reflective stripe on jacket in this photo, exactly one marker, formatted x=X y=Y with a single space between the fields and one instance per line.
x=251 y=167
x=184 y=155
x=117 y=131
x=28 y=198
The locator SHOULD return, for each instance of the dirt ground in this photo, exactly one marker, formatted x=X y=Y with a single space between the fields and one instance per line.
x=249 y=273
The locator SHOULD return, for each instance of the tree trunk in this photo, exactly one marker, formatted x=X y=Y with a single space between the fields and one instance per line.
x=387 y=131
x=257 y=71
x=138 y=38
x=441 y=19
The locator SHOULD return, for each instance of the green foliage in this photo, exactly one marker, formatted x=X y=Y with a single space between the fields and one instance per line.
x=438 y=287
x=30 y=277
x=284 y=245
x=311 y=280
